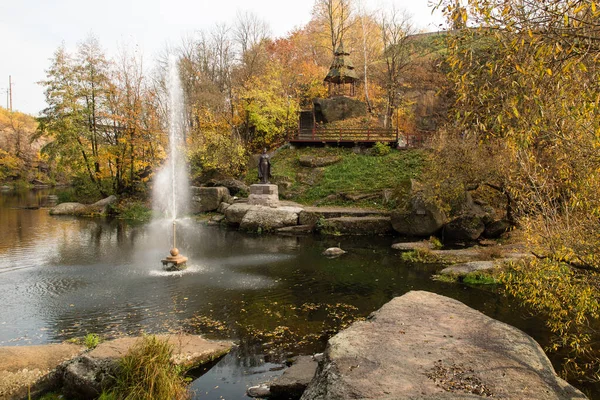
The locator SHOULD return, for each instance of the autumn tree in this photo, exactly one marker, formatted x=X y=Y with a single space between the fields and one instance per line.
x=251 y=35
x=525 y=75
x=17 y=152
x=396 y=28
x=100 y=121
x=335 y=17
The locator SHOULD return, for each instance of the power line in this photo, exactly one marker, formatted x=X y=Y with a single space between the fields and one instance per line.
x=10 y=92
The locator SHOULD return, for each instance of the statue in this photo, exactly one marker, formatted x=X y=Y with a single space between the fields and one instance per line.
x=264 y=167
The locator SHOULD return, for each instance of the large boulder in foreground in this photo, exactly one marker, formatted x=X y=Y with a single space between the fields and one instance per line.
x=426 y=346
x=205 y=199
x=85 y=377
x=32 y=368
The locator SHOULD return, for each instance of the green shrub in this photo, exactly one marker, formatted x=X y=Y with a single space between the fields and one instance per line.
x=435 y=243
x=91 y=340
x=134 y=211
x=147 y=373
x=381 y=149
x=66 y=196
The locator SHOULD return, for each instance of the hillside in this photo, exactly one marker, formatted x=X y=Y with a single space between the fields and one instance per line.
x=366 y=179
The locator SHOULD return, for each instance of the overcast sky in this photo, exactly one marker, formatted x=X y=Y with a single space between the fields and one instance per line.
x=31 y=30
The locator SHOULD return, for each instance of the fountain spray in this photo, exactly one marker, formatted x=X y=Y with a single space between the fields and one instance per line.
x=171 y=188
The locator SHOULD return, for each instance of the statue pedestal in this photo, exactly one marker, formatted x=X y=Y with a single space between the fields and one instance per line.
x=264 y=194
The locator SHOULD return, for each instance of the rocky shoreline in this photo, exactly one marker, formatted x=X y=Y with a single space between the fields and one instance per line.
x=417 y=346
x=82 y=373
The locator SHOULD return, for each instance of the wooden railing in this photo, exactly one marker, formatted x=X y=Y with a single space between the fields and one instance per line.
x=346 y=135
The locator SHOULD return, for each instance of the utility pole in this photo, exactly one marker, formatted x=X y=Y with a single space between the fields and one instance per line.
x=10 y=91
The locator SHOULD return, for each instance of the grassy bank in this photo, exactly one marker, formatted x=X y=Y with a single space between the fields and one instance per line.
x=365 y=179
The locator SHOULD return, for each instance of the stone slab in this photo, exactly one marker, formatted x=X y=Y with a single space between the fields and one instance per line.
x=426 y=346
x=188 y=350
x=87 y=376
x=268 y=219
x=23 y=367
x=409 y=246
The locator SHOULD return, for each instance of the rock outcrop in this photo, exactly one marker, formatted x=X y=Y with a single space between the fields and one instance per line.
x=236 y=187
x=98 y=208
x=206 y=199
x=466 y=227
x=338 y=109
x=426 y=346
x=422 y=218
x=496 y=229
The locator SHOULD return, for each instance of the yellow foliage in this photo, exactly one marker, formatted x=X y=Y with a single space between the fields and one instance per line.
x=541 y=102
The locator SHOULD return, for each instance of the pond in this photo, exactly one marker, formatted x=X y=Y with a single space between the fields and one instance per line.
x=64 y=277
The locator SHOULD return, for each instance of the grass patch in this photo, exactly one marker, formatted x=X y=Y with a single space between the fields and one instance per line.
x=491 y=253
x=479 y=278
x=50 y=396
x=354 y=173
x=147 y=373
x=91 y=340
x=420 y=255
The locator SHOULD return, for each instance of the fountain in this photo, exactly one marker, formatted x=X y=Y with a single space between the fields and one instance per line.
x=174 y=262
x=171 y=188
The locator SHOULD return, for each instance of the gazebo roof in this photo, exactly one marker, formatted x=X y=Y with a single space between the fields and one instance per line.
x=341 y=70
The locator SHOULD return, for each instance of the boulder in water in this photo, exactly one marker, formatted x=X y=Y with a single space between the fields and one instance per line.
x=333 y=252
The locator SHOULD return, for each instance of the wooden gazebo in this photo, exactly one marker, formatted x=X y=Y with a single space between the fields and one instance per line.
x=341 y=74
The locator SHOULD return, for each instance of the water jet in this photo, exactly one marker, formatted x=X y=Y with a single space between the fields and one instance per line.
x=171 y=188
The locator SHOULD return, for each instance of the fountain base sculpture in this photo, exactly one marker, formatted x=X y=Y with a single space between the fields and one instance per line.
x=174 y=262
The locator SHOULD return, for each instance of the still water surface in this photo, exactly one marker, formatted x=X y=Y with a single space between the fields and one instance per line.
x=64 y=277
